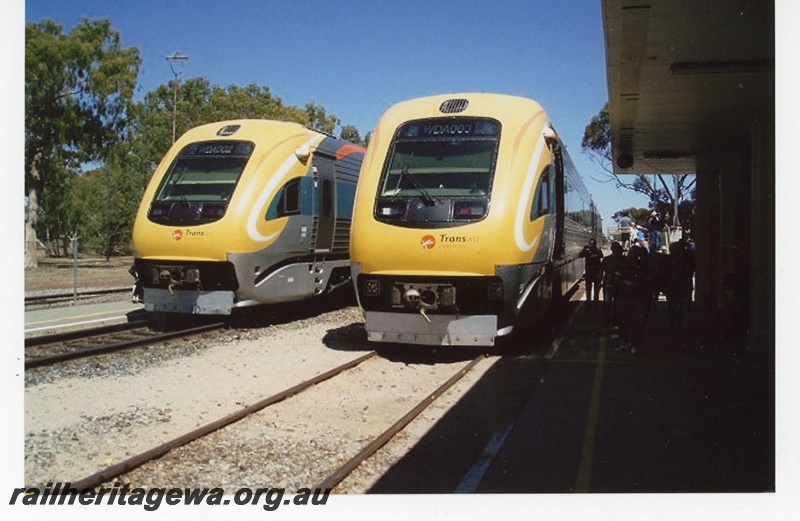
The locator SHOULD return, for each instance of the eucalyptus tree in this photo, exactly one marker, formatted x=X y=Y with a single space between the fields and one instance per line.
x=200 y=102
x=79 y=89
x=675 y=195
x=104 y=203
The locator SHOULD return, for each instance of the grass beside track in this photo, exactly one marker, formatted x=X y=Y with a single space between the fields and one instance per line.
x=93 y=272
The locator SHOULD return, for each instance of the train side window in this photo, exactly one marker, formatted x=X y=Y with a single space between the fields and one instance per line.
x=541 y=200
x=287 y=202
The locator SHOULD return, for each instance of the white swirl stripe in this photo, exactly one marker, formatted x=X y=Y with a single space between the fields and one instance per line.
x=276 y=179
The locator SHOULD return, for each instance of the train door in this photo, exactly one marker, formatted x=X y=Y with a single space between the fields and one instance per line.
x=558 y=250
x=324 y=189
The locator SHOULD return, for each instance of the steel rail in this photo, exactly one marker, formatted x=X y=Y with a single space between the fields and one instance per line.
x=159 y=451
x=342 y=472
x=84 y=333
x=81 y=294
x=50 y=360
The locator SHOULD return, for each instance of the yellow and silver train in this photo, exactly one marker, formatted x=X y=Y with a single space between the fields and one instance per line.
x=468 y=221
x=246 y=212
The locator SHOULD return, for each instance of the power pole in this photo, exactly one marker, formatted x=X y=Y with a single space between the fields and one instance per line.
x=174 y=58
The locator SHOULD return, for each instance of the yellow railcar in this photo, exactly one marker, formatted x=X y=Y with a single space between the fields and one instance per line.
x=245 y=212
x=468 y=221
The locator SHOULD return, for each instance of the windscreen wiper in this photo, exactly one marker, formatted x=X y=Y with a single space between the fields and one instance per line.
x=423 y=193
x=172 y=189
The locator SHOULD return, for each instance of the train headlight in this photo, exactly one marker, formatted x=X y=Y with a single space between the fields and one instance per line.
x=391 y=209
x=372 y=288
x=192 y=275
x=495 y=291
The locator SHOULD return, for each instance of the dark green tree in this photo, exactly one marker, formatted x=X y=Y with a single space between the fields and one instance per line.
x=350 y=133
x=663 y=195
x=637 y=215
x=104 y=202
x=78 y=91
x=199 y=102
x=318 y=119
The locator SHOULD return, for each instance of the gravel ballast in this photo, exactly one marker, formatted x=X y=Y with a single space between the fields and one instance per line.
x=80 y=421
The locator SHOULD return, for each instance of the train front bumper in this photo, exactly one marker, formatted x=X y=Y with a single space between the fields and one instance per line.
x=445 y=330
x=189 y=302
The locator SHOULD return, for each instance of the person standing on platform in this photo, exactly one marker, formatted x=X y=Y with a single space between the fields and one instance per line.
x=667 y=230
x=593 y=258
x=656 y=227
x=680 y=281
x=625 y=230
x=633 y=295
x=663 y=268
x=608 y=266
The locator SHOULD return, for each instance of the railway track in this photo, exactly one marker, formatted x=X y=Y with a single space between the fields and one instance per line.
x=53 y=349
x=330 y=480
x=337 y=476
x=337 y=434
x=66 y=296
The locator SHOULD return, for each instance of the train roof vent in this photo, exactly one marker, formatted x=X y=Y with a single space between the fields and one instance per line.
x=452 y=106
x=228 y=130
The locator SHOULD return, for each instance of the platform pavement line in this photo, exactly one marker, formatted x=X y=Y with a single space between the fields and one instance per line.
x=475 y=475
x=557 y=342
x=473 y=478
x=99 y=313
x=70 y=324
x=587 y=454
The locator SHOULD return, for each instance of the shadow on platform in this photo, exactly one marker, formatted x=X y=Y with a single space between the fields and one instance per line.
x=693 y=411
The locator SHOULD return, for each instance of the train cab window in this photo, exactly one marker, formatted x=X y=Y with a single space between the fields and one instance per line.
x=296 y=197
x=440 y=169
x=205 y=172
x=541 y=200
x=289 y=199
x=442 y=157
x=442 y=162
x=200 y=182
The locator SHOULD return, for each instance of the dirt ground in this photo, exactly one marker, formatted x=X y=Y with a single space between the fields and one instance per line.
x=93 y=272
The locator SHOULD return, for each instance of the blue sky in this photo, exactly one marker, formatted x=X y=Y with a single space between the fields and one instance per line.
x=357 y=58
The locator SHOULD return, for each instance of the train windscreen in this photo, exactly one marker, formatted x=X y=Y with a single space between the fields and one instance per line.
x=447 y=163
x=205 y=171
x=449 y=157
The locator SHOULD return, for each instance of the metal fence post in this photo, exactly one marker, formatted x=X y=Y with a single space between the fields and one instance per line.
x=74 y=240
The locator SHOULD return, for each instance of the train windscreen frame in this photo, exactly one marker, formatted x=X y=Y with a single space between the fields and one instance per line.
x=206 y=171
x=200 y=182
x=446 y=163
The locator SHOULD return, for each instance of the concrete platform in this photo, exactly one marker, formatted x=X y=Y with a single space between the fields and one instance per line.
x=61 y=319
x=691 y=412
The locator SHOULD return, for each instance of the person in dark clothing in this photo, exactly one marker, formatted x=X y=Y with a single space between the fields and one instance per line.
x=663 y=268
x=679 y=291
x=656 y=227
x=633 y=292
x=608 y=266
x=594 y=258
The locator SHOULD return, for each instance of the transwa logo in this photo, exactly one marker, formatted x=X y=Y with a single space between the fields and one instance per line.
x=177 y=235
x=427 y=242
